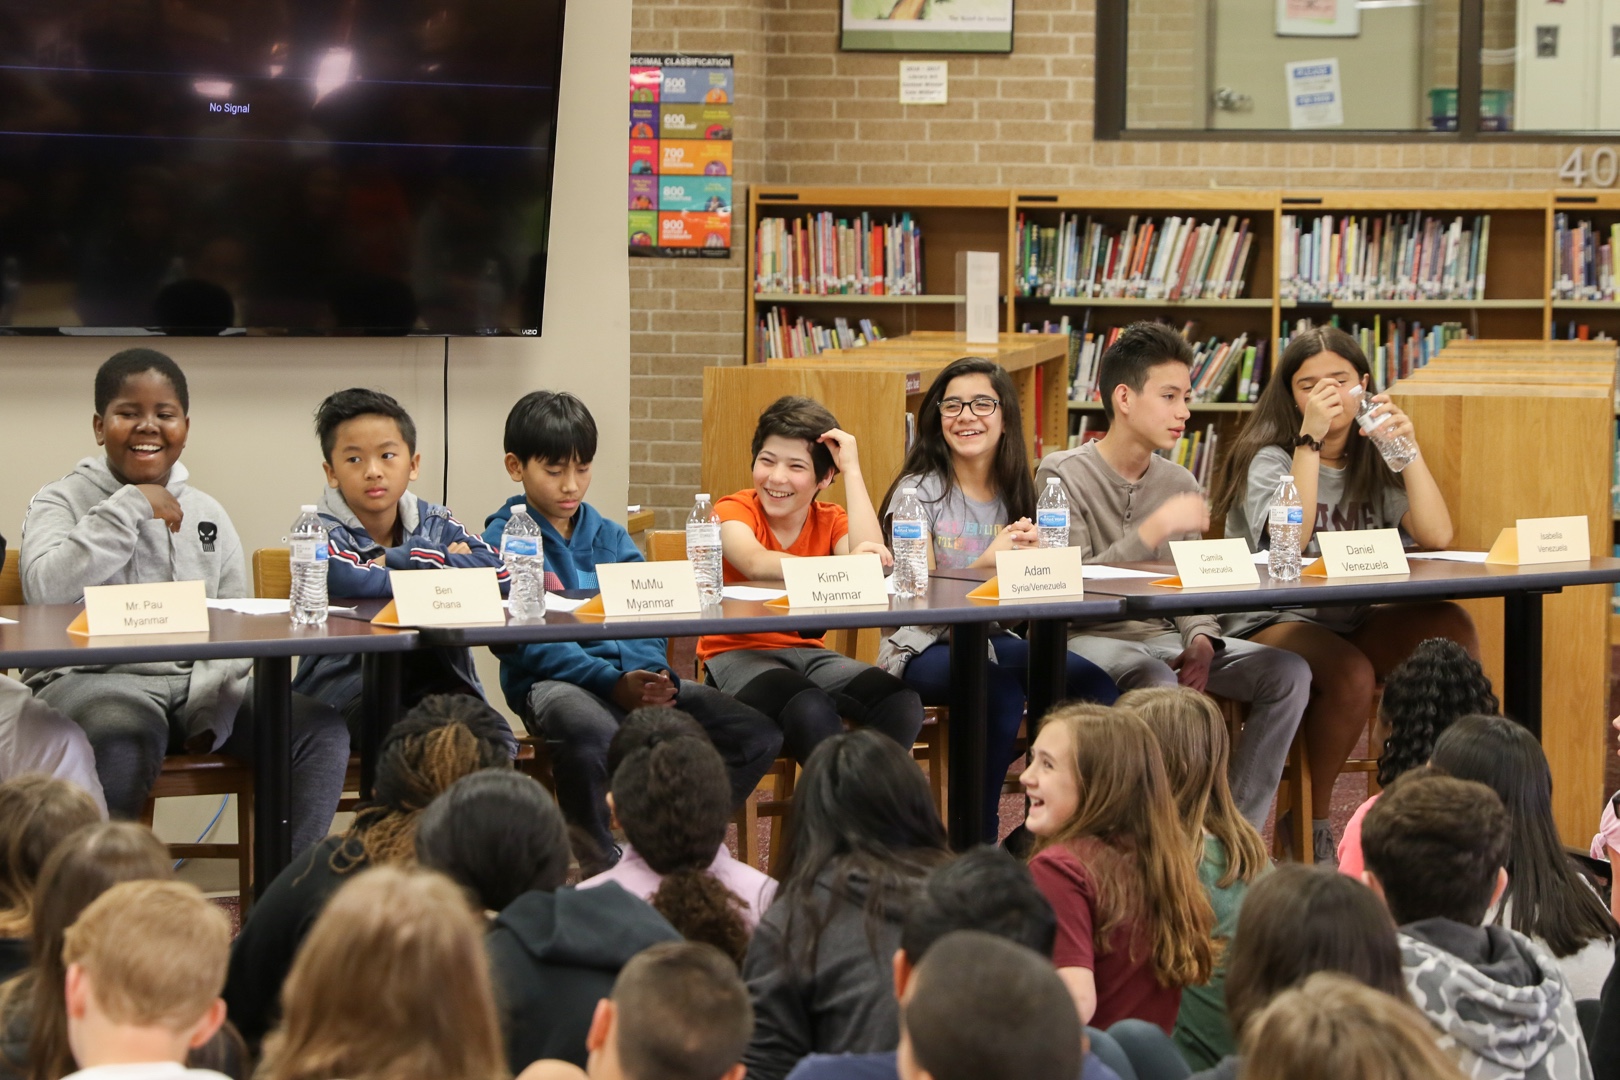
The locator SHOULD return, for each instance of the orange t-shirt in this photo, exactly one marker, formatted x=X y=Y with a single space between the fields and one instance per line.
x=824 y=526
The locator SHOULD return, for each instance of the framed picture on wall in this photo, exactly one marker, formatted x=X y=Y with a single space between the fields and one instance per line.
x=1318 y=18
x=959 y=26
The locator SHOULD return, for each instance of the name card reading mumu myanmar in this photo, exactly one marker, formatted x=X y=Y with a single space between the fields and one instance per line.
x=1037 y=573
x=648 y=588
x=1543 y=540
x=835 y=581
x=1202 y=563
x=454 y=596
x=160 y=607
x=1359 y=553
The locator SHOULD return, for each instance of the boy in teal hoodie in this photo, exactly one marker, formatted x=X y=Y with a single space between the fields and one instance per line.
x=574 y=695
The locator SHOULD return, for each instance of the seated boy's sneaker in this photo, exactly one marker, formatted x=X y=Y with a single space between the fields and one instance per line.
x=1324 y=848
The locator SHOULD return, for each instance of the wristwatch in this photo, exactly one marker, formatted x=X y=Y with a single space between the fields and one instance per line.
x=1306 y=440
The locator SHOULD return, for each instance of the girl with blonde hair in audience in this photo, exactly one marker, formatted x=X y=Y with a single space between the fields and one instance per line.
x=1114 y=859
x=391 y=984
x=37 y=813
x=1231 y=855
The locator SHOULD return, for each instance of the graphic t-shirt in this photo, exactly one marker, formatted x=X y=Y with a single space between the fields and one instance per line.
x=961 y=527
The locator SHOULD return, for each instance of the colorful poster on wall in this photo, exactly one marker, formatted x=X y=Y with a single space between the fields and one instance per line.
x=681 y=165
x=973 y=26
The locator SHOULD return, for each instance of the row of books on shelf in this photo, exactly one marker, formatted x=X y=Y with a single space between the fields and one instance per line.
x=1578 y=331
x=823 y=255
x=1394 y=347
x=1232 y=370
x=778 y=335
x=1584 y=259
x=1179 y=258
x=1399 y=256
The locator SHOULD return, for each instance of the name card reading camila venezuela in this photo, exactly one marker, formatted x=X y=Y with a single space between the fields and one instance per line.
x=648 y=588
x=1039 y=573
x=835 y=581
x=1203 y=563
x=1543 y=540
x=1359 y=553
x=454 y=596
x=163 y=607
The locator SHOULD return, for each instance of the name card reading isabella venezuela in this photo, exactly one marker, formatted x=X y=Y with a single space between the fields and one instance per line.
x=163 y=607
x=1035 y=574
x=1543 y=540
x=1203 y=563
x=835 y=581
x=454 y=596
x=648 y=588
x=1359 y=553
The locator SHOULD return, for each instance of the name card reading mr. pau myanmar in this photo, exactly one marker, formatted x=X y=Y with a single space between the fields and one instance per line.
x=1034 y=574
x=648 y=588
x=1202 y=563
x=1359 y=553
x=454 y=596
x=163 y=607
x=835 y=581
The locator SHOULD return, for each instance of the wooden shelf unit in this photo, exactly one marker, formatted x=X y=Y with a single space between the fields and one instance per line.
x=1602 y=208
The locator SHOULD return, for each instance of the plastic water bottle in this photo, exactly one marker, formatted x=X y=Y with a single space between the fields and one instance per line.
x=1398 y=450
x=703 y=548
x=525 y=557
x=1287 y=522
x=909 y=529
x=1052 y=515
x=307 y=597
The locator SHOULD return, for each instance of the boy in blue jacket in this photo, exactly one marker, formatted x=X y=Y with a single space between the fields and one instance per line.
x=576 y=694
x=375 y=524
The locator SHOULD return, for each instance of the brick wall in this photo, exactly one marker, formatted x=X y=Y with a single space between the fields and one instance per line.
x=810 y=114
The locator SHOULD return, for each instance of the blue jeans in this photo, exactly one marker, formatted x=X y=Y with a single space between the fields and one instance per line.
x=929 y=673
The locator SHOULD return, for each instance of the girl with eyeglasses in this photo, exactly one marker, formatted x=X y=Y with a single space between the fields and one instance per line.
x=974 y=482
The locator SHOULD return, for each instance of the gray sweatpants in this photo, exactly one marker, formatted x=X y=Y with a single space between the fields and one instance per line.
x=1275 y=683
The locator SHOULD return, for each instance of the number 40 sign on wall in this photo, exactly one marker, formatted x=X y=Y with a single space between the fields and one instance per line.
x=681 y=109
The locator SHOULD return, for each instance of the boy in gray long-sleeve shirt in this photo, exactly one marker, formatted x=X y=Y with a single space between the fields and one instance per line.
x=1126 y=505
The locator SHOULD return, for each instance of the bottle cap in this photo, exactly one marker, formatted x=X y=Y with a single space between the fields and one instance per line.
x=908 y=491
x=307 y=508
x=703 y=496
x=1050 y=480
x=1289 y=479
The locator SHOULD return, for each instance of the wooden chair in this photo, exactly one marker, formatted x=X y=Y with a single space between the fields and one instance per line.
x=11 y=593
x=1294 y=793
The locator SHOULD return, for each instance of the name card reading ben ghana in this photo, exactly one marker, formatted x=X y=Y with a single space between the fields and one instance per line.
x=1034 y=574
x=648 y=588
x=454 y=596
x=835 y=581
x=1202 y=563
x=1360 y=553
x=164 y=607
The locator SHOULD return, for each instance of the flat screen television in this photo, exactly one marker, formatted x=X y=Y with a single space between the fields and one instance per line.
x=276 y=166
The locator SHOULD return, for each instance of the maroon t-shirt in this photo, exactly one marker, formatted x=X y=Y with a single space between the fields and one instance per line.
x=1126 y=985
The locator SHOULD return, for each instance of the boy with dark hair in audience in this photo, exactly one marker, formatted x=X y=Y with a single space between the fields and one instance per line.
x=375 y=524
x=1126 y=503
x=128 y=516
x=145 y=965
x=575 y=694
x=1435 y=849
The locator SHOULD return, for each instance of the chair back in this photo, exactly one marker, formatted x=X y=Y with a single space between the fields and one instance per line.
x=666 y=545
x=272 y=573
x=11 y=580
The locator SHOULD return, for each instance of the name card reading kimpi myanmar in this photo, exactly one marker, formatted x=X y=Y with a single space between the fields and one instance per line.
x=163 y=607
x=835 y=581
x=648 y=588
x=454 y=596
x=1360 y=553
x=1202 y=563
x=1543 y=540
x=1038 y=573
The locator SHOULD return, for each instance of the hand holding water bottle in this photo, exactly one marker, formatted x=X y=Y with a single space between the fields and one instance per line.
x=1390 y=429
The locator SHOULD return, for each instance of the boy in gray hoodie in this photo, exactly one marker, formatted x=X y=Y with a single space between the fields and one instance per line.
x=1435 y=848
x=129 y=516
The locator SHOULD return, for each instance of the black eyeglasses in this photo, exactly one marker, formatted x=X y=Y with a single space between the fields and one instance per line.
x=981 y=406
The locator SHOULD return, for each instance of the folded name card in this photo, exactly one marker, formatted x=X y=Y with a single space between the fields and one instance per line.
x=454 y=596
x=1204 y=563
x=159 y=607
x=648 y=588
x=1359 y=553
x=1039 y=573
x=1543 y=540
x=835 y=581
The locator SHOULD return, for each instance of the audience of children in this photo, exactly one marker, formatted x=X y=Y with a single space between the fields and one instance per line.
x=1304 y=426
x=1126 y=503
x=37 y=813
x=972 y=479
x=575 y=694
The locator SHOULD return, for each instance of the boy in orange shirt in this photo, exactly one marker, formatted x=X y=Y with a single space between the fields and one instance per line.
x=796 y=680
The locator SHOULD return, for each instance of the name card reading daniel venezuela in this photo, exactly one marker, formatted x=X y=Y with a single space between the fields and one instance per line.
x=1543 y=540
x=454 y=596
x=648 y=588
x=162 y=607
x=1203 y=563
x=1037 y=573
x=1359 y=553
x=835 y=581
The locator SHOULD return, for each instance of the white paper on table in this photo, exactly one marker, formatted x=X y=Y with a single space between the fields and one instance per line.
x=8 y=622
x=252 y=605
x=888 y=585
x=1262 y=558
x=557 y=603
x=1100 y=572
x=750 y=592
x=1450 y=556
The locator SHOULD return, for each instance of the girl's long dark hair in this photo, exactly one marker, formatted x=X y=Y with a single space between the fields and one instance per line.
x=930 y=455
x=1423 y=696
x=861 y=821
x=1276 y=419
x=1551 y=901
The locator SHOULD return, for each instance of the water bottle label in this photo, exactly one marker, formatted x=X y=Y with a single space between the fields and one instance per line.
x=910 y=530
x=307 y=550
x=520 y=546
x=1052 y=519
x=323 y=550
x=1287 y=515
x=1371 y=423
